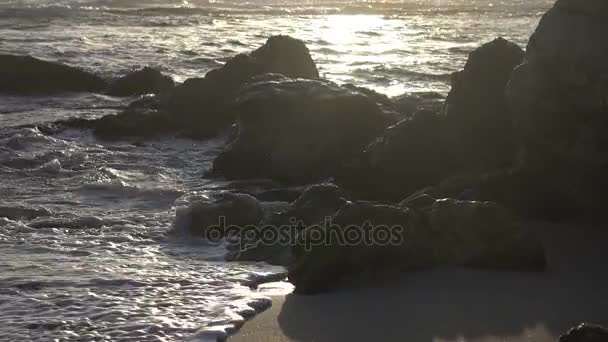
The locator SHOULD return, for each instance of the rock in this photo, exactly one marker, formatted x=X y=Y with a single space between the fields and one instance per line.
x=586 y=333
x=218 y=211
x=483 y=235
x=205 y=103
x=559 y=99
x=140 y=82
x=20 y=213
x=474 y=134
x=141 y=119
x=413 y=154
x=279 y=195
x=316 y=203
x=476 y=107
x=326 y=266
x=298 y=130
x=26 y=75
x=446 y=233
x=410 y=103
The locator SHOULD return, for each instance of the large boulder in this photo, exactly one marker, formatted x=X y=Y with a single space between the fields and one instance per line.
x=316 y=203
x=320 y=266
x=144 y=81
x=481 y=235
x=205 y=103
x=299 y=130
x=586 y=333
x=416 y=152
x=476 y=107
x=446 y=233
x=26 y=75
x=559 y=98
x=208 y=215
x=473 y=134
x=141 y=119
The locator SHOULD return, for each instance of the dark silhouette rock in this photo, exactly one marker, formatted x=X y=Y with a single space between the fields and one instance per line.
x=316 y=203
x=473 y=135
x=476 y=106
x=210 y=210
x=298 y=130
x=140 y=82
x=408 y=104
x=18 y=213
x=559 y=99
x=325 y=265
x=586 y=333
x=413 y=154
x=26 y=75
x=142 y=119
x=445 y=233
x=205 y=103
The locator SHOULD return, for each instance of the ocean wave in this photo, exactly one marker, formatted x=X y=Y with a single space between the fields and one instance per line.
x=395 y=72
x=166 y=8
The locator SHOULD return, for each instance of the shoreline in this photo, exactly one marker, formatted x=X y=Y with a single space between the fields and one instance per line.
x=455 y=304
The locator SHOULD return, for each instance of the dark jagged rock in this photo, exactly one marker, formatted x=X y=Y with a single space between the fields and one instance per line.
x=19 y=213
x=473 y=135
x=586 y=333
x=445 y=233
x=206 y=102
x=140 y=82
x=26 y=75
x=482 y=235
x=559 y=99
x=476 y=106
x=316 y=203
x=142 y=119
x=415 y=153
x=208 y=211
x=408 y=104
x=299 y=130
x=279 y=195
x=324 y=266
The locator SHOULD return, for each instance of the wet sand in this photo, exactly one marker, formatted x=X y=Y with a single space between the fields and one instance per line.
x=455 y=304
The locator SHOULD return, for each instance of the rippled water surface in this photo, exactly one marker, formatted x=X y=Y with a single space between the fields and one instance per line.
x=85 y=248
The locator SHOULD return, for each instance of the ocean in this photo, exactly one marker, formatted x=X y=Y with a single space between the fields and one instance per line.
x=88 y=246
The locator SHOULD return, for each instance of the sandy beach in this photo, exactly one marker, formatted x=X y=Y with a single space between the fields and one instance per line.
x=455 y=304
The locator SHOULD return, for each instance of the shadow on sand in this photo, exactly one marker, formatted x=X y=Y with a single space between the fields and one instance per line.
x=466 y=304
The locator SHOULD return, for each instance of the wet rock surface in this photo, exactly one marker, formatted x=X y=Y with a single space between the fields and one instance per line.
x=559 y=101
x=26 y=75
x=140 y=82
x=298 y=130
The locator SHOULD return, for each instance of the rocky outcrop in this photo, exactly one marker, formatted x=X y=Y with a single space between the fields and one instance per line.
x=586 y=333
x=559 y=99
x=445 y=233
x=476 y=108
x=216 y=211
x=142 y=119
x=205 y=103
x=473 y=134
x=144 y=81
x=26 y=75
x=316 y=203
x=200 y=107
x=415 y=153
x=298 y=130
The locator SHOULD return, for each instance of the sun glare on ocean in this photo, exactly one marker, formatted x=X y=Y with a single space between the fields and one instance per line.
x=343 y=29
